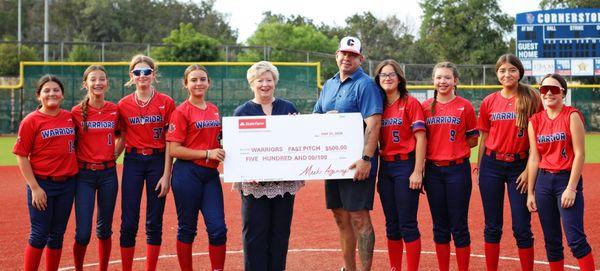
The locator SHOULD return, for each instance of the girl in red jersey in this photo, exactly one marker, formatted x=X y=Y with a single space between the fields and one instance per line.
x=503 y=155
x=193 y=137
x=452 y=132
x=96 y=122
x=403 y=144
x=555 y=187
x=144 y=116
x=45 y=151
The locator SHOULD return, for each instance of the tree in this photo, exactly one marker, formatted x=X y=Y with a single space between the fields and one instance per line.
x=381 y=39
x=82 y=53
x=186 y=44
x=554 y=4
x=465 y=31
x=115 y=20
x=10 y=58
x=282 y=35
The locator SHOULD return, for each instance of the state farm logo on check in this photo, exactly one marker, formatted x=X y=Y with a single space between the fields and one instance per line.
x=252 y=123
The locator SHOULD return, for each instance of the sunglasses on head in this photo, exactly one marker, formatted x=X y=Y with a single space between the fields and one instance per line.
x=144 y=71
x=555 y=90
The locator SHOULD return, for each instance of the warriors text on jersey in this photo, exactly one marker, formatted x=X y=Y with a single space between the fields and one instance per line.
x=97 y=144
x=398 y=124
x=553 y=139
x=196 y=129
x=144 y=126
x=49 y=143
x=497 y=116
x=448 y=129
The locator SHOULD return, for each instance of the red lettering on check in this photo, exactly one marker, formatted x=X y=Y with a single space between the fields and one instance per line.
x=252 y=123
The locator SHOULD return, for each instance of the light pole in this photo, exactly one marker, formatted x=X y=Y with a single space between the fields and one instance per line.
x=46 y=25
x=19 y=6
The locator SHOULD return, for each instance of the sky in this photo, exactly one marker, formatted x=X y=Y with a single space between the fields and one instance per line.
x=244 y=15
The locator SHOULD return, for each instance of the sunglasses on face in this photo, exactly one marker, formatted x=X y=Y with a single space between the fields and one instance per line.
x=555 y=90
x=144 y=71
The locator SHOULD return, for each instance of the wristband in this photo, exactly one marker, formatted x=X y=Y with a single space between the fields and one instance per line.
x=574 y=190
x=207 y=155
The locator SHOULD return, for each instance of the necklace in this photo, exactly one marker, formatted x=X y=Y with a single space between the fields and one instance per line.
x=142 y=105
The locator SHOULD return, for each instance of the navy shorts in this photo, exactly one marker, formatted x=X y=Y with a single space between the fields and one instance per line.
x=350 y=195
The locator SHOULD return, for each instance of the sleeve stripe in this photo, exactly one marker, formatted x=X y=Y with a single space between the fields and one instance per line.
x=418 y=125
x=473 y=132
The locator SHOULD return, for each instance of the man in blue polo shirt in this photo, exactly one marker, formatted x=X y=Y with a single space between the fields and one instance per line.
x=352 y=90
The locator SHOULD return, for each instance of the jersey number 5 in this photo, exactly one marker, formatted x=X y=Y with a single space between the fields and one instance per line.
x=395 y=136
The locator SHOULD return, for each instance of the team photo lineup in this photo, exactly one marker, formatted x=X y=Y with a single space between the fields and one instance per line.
x=531 y=149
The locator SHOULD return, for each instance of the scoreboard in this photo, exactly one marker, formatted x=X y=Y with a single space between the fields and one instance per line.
x=564 y=41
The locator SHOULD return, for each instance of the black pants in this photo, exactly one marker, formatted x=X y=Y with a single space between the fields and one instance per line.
x=266 y=231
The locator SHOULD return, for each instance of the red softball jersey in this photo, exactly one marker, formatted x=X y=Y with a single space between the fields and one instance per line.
x=196 y=129
x=449 y=128
x=497 y=117
x=144 y=126
x=553 y=139
x=97 y=144
x=398 y=124
x=49 y=142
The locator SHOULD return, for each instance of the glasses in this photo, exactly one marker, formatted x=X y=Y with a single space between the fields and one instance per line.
x=555 y=90
x=144 y=71
x=390 y=75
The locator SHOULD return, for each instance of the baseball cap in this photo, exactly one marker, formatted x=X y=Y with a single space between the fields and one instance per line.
x=350 y=44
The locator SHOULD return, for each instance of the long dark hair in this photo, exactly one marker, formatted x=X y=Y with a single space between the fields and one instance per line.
x=45 y=79
x=401 y=78
x=86 y=99
x=446 y=65
x=527 y=100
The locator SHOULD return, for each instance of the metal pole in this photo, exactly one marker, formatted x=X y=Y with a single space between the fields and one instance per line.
x=148 y=49
x=484 y=74
x=19 y=34
x=102 y=58
x=46 y=30
x=226 y=53
x=62 y=51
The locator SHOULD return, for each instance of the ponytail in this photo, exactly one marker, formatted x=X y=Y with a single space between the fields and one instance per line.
x=434 y=101
x=527 y=103
x=84 y=111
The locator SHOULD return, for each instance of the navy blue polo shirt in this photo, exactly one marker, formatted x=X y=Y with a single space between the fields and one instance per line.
x=280 y=107
x=358 y=93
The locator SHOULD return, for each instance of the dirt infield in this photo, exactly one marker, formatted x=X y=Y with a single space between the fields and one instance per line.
x=314 y=241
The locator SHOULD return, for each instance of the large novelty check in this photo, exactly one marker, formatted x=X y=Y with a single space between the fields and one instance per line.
x=291 y=147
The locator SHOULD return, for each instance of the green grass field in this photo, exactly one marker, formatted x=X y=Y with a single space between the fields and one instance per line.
x=592 y=145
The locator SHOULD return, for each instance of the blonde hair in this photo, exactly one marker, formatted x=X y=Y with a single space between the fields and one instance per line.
x=190 y=69
x=259 y=68
x=527 y=102
x=137 y=59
